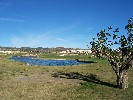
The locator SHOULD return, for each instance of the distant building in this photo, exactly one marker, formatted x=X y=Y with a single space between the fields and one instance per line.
x=9 y=52
x=79 y=51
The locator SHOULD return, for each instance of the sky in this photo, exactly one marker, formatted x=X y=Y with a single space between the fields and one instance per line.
x=59 y=23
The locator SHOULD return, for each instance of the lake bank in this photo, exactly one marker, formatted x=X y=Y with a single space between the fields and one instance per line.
x=46 y=62
x=19 y=81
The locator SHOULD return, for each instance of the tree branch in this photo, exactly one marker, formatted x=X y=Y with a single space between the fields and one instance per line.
x=114 y=65
x=129 y=63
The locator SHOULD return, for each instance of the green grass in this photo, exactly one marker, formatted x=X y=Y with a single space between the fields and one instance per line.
x=19 y=81
x=87 y=85
x=57 y=56
x=73 y=57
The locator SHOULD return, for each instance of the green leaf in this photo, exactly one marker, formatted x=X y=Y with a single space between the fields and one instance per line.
x=115 y=42
x=110 y=27
x=114 y=36
x=130 y=20
x=108 y=34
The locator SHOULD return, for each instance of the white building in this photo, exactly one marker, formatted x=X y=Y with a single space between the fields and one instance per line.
x=9 y=52
x=84 y=51
x=81 y=51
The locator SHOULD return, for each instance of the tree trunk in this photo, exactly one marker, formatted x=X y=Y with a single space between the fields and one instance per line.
x=122 y=80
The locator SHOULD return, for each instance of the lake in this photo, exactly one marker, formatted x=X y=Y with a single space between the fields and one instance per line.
x=46 y=62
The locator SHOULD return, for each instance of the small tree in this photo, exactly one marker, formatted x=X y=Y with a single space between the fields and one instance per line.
x=121 y=59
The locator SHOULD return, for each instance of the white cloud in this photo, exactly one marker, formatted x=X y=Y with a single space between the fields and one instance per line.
x=28 y=40
x=61 y=39
x=11 y=20
x=52 y=38
x=47 y=39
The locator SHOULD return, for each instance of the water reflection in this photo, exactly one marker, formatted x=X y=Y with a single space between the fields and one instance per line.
x=45 y=62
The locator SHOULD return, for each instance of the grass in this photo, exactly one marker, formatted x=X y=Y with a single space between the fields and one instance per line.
x=87 y=85
x=73 y=57
x=57 y=56
x=19 y=81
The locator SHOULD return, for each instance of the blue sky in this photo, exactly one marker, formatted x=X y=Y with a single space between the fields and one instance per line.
x=54 y=23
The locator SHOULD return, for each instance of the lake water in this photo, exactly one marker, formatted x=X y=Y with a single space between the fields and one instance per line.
x=45 y=62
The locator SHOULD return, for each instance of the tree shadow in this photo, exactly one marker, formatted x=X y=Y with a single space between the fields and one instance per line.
x=83 y=61
x=89 y=78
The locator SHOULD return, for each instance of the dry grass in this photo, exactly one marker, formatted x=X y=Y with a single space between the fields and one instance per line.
x=19 y=81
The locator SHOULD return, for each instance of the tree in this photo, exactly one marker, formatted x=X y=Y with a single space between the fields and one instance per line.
x=121 y=59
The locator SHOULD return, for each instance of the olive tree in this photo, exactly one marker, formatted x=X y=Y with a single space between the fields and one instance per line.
x=120 y=57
